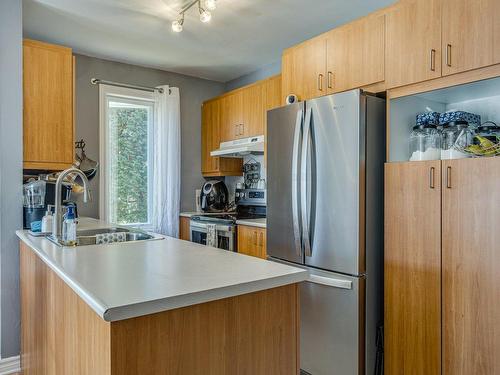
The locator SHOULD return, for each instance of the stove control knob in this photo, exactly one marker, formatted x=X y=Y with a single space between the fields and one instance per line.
x=237 y=195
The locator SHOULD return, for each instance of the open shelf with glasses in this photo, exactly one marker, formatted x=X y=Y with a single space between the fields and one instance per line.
x=481 y=98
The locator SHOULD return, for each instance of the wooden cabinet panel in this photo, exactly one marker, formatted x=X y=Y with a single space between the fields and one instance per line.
x=232 y=117
x=48 y=130
x=210 y=140
x=272 y=87
x=210 y=127
x=471 y=258
x=304 y=68
x=355 y=54
x=252 y=241
x=412 y=268
x=468 y=34
x=253 y=110
x=413 y=42
x=184 y=230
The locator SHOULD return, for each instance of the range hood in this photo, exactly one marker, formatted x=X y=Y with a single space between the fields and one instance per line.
x=240 y=147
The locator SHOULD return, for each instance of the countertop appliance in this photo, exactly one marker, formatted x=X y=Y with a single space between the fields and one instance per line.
x=219 y=230
x=37 y=196
x=325 y=214
x=214 y=196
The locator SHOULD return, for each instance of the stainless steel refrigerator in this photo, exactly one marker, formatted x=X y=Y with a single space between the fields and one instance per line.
x=325 y=213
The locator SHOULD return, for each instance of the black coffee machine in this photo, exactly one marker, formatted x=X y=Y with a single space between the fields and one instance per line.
x=38 y=195
x=214 y=196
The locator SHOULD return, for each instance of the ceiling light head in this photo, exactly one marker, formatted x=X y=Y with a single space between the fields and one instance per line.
x=205 y=15
x=177 y=25
x=211 y=4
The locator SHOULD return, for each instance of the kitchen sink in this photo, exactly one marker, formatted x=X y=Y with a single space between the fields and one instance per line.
x=90 y=236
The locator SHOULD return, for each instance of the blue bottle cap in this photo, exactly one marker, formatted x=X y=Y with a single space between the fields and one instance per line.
x=70 y=214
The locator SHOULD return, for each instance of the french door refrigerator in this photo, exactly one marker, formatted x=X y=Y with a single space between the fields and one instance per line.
x=325 y=213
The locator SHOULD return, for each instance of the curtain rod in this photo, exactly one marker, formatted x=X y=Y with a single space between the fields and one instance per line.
x=96 y=81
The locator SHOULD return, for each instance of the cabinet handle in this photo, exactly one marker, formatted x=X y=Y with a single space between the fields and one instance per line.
x=255 y=238
x=236 y=130
x=431 y=177
x=448 y=177
x=242 y=131
x=330 y=80
x=433 y=60
x=261 y=239
x=448 y=55
x=320 y=82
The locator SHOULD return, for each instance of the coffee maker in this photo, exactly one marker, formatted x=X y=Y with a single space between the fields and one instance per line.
x=38 y=195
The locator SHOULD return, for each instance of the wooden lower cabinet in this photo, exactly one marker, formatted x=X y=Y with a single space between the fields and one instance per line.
x=254 y=333
x=412 y=269
x=471 y=267
x=184 y=230
x=252 y=241
x=442 y=295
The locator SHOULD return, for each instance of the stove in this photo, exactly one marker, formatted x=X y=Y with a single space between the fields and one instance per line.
x=219 y=230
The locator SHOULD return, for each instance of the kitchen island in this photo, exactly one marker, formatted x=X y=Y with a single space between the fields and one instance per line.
x=162 y=306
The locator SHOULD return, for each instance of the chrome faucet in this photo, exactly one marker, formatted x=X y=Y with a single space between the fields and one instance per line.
x=57 y=221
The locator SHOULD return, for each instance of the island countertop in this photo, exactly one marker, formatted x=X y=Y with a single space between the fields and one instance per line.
x=125 y=280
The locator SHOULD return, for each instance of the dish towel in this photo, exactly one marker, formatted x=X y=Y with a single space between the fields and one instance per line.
x=104 y=238
x=212 y=235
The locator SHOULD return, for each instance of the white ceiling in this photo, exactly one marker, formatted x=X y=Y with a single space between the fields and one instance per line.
x=243 y=35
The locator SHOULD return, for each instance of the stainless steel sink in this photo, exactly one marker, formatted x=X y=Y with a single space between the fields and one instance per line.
x=89 y=237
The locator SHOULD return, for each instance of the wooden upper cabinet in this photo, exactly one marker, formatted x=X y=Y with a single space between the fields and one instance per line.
x=252 y=241
x=272 y=88
x=469 y=28
x=471 y=258
x=253 y=110
x=355 y=54
x=303 y=69
x=412 y=269
x=232 y=116
x=48 y=129
x=210 y=140
x=413 y=42
x=210 y=127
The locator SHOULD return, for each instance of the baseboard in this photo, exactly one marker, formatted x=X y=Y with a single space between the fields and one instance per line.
x=10 y=365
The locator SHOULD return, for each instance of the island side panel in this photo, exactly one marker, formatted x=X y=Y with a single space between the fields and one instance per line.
x=60 y=333
x=253 y=334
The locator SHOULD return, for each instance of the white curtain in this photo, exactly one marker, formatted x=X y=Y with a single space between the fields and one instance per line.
x=167 y=161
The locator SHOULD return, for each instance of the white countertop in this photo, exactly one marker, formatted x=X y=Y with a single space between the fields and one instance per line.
x=125 y=280
x=260 y=223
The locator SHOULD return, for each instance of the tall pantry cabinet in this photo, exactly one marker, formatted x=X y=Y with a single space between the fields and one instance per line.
x=442 y=294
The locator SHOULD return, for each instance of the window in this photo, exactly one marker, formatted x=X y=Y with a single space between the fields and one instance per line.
x=126 y=127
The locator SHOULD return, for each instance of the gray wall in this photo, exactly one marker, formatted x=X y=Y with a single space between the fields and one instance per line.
x=262 y=73
x=193 y=92
x=11 y=146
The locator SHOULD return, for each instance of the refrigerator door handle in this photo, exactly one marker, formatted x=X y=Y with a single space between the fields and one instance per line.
x=303 y=182
x=295 y=183
x=328 y=281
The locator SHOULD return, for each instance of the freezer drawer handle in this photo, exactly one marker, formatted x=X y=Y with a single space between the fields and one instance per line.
x=336 y=283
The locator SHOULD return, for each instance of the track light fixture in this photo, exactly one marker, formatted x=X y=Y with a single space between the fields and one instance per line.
x=205 y=15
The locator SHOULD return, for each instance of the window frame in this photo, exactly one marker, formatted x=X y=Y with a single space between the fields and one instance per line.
x=107 y=92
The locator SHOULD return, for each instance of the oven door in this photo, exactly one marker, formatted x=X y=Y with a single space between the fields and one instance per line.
x=225 y=235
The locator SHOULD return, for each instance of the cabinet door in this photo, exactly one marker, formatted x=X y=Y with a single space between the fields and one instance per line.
x=468 y=34
x=253 y=110
x=471 y=261
x=252 y=241
x=232 y=116
x=210 y=128
x=413 y=42
x=412 y=268
x=48 y=106
x=304 y=69
x=356 y=54
x=184 y=228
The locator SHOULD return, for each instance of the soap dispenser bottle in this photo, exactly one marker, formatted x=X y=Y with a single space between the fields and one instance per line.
x=69 y=227
x=47 y=220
